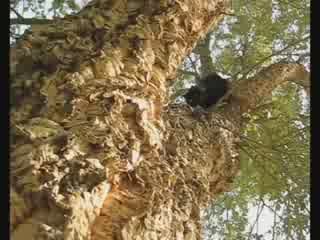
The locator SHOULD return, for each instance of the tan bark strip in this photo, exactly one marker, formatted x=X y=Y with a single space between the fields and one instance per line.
x=249 y=93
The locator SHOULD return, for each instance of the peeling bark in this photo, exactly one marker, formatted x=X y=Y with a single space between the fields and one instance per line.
x=253 y=90
x=96 y=151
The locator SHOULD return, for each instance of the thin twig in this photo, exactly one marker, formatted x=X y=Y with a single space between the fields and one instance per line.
x=16 y=12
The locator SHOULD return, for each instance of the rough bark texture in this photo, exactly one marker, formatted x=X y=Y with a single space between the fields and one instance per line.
x=96 y=152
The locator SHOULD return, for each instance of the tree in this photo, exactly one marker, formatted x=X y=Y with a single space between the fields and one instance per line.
x=95 y=149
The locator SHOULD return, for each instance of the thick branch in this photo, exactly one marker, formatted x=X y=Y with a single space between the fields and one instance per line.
x=30 y=21
x=249 y=93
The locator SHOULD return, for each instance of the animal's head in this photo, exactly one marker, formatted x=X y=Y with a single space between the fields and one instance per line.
x=193 y=96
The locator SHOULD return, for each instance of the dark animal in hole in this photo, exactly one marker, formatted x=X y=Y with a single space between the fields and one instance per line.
x=208 y=91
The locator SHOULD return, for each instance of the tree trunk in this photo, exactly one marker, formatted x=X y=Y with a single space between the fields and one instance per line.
x=96 y=151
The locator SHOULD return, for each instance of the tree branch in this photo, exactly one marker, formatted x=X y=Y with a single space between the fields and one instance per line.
x=16 y=12
x=248 y=93
x=30 y=21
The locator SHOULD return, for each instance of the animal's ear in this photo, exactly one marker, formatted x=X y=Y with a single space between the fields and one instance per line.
x=193 y=96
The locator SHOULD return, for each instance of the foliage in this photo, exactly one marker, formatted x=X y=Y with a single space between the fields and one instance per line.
x=274 y=180
x=274 y=174
x=41 y=9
